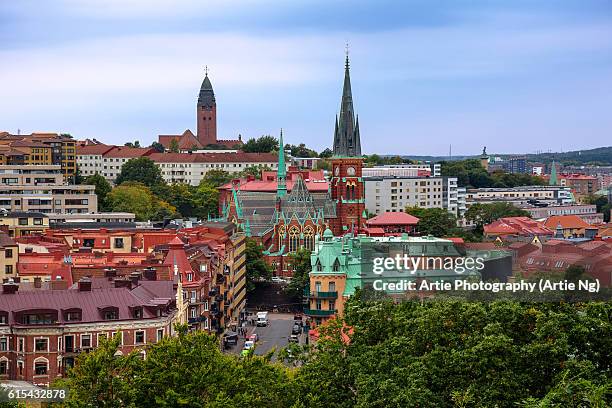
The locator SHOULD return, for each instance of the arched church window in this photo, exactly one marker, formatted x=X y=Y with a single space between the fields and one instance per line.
x=309 y=238
x=336 y=267
x=294 y=238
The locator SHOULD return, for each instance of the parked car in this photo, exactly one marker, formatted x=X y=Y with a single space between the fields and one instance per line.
x=294 y=338
x=297 y=319
x=262 y=319
x=276 y=279
x=249 y=344
x=254 y=337
x=297 y=329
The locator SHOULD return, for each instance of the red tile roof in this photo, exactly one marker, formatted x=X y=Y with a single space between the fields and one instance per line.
x=393 y=218
x=94 y=149
x=524 y=226
x=127 y=152
x=230 y=157
x=566 y=221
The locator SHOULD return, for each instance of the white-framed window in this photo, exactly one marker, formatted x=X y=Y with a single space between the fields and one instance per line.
x=21 y=344
x=140 y=337
x=41 y=366
x=4 y=344
x=4 y=365
x=160 y=334
x=41 y=344
x=193 y=313
x=206 y=305
x=86 y=341
x=118 y=333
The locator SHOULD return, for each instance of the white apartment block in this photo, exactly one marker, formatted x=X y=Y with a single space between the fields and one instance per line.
x=395 y=193
x=403 y=170
x=520 y=195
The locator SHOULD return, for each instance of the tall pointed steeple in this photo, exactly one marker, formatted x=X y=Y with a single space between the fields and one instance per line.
x=281 y=173
x=347 y=142
x=206 y=98
x=553 y=175
x=206 y=113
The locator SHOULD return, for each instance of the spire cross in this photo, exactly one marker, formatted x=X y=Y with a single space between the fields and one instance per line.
x=206 y=70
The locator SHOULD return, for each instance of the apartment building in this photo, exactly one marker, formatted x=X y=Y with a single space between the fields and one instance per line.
x=40 y=149
x=20 y=223
x=89 y=158
x=403 y=170
x=395 y=193
x=42 y=331
x=9 y=256
x=191 y=168
x=520 y=195
x=41 y=188
x=582 y=185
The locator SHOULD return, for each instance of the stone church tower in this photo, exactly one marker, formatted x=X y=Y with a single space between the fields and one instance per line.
x=207 y=114
x=347 y=187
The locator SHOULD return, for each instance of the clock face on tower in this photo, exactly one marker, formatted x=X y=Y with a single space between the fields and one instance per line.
x=350 y=171
x=337 y=170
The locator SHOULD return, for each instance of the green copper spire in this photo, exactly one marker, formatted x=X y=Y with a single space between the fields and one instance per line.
x=553 y=175
x=281 y=175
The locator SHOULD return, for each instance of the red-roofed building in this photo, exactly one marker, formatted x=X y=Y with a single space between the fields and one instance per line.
x=570 y=226
x=581 y=184
x=512 y=229
x=394 y=223
x=558 y=255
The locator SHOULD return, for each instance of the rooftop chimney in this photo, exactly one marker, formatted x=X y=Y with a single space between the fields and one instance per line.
x=9 y=288
x=84 y=284
x=135 y=277
x=123 y=283
x=110 y=272
x=150 y=274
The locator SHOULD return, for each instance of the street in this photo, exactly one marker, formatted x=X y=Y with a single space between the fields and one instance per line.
x=275 y=335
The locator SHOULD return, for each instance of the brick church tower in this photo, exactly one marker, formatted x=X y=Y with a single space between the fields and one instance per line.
x=347 y=187
x=207 y=113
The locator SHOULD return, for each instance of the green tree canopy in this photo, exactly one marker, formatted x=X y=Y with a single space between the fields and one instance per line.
x=158 y=147
x=138 y=199
x=103 y=187
x=263 y=144
x=142 y=170
x=434 y=221
x=483 y=214
x=256 y=266
x=300 y=265
x=216 y=177
x=173 y=147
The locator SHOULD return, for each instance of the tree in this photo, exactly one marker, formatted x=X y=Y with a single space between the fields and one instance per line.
x=483 y=214
x=216 y=178
x=174 y=146
x=254 y=171
x=103 y=187
x=264 y=144
x=130 y=144
x=158 y=147
x=434 y=221
x=300 y=265
x=256 y=266
x=138 y=199
x=142 y=170
x=301 y=150
x=326 y=154
x=206 y=200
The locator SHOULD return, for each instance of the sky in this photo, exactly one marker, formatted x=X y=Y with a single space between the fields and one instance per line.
x=517 y=76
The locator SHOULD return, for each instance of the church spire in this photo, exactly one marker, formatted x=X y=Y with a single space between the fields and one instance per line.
x=281 y=173
x=553 y=175
x=346 y=134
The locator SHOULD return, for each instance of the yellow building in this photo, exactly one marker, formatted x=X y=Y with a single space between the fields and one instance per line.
x=9 y=255
x=19 y=223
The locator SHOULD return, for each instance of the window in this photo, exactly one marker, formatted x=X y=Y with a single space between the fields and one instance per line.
x=120 y=334
x=85 y=340
x=110 y=314
x=193 y=313
x=138 y=313
x=101 y=337
x=41 y=367
x=118 y=242
x=3 y=344
x=3 y=367
x=73 y=316
x=332 y=305
x=8 y=269
x=160 y=334
x=41 y=345
x=23 y=221
x=190 y=277
x=20 y=367
x=294 y=238
x=336 y=265
x=38 y=221
x=332 y=286
x=8 y=253
x=20 y=345
x=319 y=304
x=139 y=337
x=317 y=286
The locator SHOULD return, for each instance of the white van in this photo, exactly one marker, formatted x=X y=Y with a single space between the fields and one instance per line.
x=262 y=319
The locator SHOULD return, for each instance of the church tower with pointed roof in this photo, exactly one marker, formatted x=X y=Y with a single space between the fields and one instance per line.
x=207 y=113
x=346 y=182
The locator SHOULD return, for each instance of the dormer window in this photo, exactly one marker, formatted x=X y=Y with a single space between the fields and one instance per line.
x=72 y=315
x=137 y=313
x=110 y=313
x=336 y=266
x=190 y=277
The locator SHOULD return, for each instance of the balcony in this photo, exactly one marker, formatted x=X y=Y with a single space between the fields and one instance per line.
x=316 y=312
x=324 y=295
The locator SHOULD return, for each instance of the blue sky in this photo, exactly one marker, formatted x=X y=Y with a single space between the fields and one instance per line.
x=516 y=76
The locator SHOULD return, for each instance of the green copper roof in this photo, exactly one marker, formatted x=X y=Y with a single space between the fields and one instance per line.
x=553 y=175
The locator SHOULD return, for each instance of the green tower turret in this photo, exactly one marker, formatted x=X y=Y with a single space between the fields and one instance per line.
x=281 y=174
x=553 y=175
